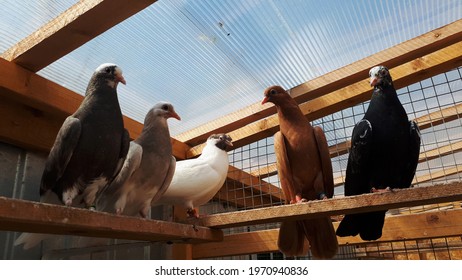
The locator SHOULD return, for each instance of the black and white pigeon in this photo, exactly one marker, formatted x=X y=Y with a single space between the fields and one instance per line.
x=148 y=169
x=384 y=154
x=89 y=149
x=197 y=180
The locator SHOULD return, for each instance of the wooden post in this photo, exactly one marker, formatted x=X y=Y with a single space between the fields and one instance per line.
x=181 y=251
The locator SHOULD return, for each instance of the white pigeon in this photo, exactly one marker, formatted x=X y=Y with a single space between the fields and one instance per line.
x=197 y=180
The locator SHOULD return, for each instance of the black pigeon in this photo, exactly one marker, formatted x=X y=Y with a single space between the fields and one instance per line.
x=89 y=149
x=384 y=154
x=92 y=143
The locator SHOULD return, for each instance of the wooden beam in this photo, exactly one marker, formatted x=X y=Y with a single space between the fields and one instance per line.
x=403 y=75
x=333 y=81
x=34 y=108
x=424 y=122
x=337 y=206
x=79 y=24
x=425 y=156
x=440 y=151
x=28 y=216
x=49 y=102
x=445 y=172
x=334 y=151
x=247 y=197
x=438 y=117
x=396 y=228
x=256 y=183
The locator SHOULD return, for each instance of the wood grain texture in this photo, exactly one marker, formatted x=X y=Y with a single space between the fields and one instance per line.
x=396 y=228
x=337 y=206
x=27 y=216
x=46 y=98
x=333 y=81
x=403 y=75
x=74 y=27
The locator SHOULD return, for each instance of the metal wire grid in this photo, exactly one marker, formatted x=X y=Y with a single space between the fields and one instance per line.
x=419 y=100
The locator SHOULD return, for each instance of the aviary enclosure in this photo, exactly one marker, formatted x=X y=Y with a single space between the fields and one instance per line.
x=242 y=221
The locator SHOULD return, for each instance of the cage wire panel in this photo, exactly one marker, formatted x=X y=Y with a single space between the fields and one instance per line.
x=438 y=99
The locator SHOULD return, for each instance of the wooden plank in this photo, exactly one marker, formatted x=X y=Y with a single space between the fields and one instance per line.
x=425 y=156
x=438 y=117
x=270 y=170
x=441 y=151
x=50 y=101
x=403 y=75
x=26 y=127
x=247 y=197
x=257 y=184
x=396 y=228
x=426 y=121
x=79 y=24
x=437 y=175
x=180 y=251
x=336 y=206
x=28 y=216
x=333 y=81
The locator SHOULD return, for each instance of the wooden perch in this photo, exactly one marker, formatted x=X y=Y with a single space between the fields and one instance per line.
x=28 y=216
x=337 y=206
x=396 y=228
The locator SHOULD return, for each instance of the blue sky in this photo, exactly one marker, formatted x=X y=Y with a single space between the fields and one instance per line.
x=210 y=58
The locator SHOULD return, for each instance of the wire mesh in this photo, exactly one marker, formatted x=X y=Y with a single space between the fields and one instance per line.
x=436 y=105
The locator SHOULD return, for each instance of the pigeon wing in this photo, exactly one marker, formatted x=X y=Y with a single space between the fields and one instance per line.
x=326 y=165
x=414 y=150
x=61 y=153
x=358 y=160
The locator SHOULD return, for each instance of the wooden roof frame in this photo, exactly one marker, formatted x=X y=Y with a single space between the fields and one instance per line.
x=35 y=104
x=33 y=108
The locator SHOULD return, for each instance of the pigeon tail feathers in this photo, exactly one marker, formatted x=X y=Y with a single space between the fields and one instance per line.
x=321 y=235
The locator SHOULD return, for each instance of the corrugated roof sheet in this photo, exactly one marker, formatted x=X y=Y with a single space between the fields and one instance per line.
x=210 y=58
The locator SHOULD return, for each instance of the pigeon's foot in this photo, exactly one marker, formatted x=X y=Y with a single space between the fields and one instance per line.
x=387 y=189
x=195 y=228
x=192 y=213
x=298 y=199
x=322 y=196
x=91 y=207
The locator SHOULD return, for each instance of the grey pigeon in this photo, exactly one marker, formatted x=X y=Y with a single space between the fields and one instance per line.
x=197 y=180
x=89 y=149
x=148 y=169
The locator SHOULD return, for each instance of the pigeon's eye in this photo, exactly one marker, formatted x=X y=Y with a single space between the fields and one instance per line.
x=273 y=92
x=107 y=70
x=165 y=107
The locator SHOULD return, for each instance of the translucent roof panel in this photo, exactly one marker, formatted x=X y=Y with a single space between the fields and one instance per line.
x=210 y=58
x=21 y=18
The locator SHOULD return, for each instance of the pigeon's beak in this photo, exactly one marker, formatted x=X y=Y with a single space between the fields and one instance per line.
x=228 y=142
x=373 y=80
x=119 y=77
x=265 y=100
x=173 y=114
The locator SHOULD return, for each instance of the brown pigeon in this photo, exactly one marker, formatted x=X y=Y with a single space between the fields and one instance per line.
x=305 y=172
